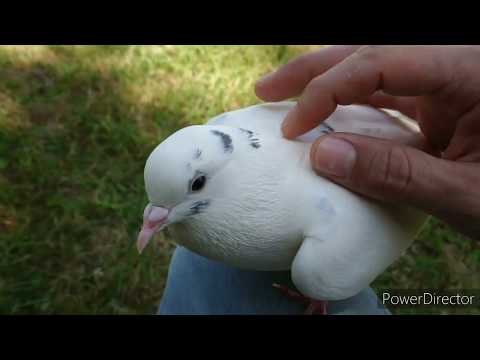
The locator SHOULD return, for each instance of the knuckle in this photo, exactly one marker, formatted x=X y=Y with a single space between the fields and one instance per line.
x=390 y=172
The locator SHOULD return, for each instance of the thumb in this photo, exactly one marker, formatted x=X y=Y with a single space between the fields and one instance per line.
x=395 y=173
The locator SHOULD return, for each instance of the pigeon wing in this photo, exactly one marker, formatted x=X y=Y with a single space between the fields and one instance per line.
x=335 y=263
x=326 y=265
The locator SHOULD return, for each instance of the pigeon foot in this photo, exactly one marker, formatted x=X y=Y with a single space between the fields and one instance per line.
x=315 y=307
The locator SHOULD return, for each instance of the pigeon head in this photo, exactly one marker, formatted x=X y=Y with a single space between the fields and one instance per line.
x=183 y=174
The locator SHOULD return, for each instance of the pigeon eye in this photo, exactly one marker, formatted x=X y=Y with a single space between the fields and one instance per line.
x=199 y=183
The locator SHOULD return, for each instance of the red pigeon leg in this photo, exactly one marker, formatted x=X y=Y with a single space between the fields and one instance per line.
x=315 y=307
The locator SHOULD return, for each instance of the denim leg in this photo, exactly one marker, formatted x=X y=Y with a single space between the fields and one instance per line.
x=197 y=285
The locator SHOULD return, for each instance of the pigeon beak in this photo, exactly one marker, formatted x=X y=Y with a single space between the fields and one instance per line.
x=154 y=219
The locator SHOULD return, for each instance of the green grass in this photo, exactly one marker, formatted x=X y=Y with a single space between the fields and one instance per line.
x=76 y=126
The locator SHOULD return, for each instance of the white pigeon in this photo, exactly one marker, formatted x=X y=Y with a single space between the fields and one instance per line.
x=235 y=190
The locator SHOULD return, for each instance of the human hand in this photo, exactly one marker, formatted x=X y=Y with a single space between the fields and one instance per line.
x=438 y=86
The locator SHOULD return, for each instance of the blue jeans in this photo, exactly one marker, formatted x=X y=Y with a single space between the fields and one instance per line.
x=199 y=286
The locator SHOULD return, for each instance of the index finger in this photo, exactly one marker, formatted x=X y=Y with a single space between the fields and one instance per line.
x=397 y=70
x=290 y=80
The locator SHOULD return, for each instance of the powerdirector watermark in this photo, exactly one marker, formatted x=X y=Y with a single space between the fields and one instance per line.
x=429 y=298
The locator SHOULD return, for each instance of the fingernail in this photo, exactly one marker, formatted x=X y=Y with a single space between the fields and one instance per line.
x=289 y=124
x=334 y=157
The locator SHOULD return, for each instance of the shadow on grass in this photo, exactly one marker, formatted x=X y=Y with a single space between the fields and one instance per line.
x=72 y=189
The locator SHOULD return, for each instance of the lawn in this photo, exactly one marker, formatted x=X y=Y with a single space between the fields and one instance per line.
x=76 y=126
